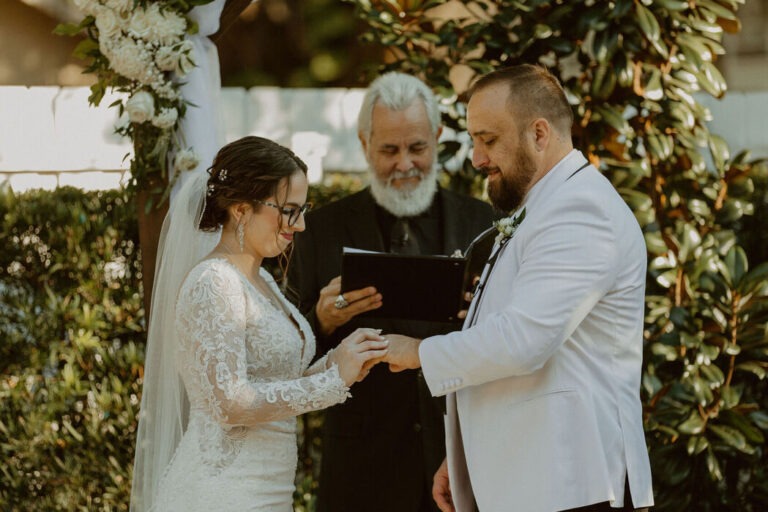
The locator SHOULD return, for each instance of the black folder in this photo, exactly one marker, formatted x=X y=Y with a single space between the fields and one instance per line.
x=429 y=288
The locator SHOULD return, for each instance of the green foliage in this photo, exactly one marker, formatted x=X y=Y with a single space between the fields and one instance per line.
x=631 y=69
x=72 y=349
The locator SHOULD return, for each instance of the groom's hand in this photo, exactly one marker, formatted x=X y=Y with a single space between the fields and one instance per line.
x=403 y=353
x=441 y=489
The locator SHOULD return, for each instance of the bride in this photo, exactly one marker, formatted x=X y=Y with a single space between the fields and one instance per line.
x=228 y=357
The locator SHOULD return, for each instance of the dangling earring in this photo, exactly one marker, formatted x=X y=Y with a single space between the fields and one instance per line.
x=240 y=230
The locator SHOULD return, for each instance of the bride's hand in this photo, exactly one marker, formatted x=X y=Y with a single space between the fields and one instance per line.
x=357 y=353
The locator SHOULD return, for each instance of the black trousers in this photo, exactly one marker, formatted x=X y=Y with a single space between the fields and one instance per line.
x=606 y=506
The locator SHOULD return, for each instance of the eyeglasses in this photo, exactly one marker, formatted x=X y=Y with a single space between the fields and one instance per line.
x=292 y=212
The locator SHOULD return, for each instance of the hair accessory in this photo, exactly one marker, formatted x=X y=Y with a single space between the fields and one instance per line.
x=223 y=175
x=211 y=188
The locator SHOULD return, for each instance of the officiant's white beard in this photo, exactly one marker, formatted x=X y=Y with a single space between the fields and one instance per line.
x=405 y=202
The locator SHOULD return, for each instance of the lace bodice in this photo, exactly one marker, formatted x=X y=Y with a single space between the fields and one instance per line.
x=243 y=361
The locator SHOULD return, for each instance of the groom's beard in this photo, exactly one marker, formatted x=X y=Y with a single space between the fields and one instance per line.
x=406 y=202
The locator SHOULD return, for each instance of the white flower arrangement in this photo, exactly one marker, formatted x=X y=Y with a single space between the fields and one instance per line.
x=508 y=225
x=139 y=48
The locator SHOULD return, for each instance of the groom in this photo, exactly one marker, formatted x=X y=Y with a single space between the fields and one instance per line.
x=543 y=381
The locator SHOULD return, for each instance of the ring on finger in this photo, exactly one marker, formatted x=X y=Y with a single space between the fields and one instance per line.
x=340 y=302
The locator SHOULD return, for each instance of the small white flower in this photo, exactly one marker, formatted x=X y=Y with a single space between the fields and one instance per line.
x=166 y=118
x=166 y=58
x=130 y=60
x=140 y=107
x=186 y=160
x=508 y=225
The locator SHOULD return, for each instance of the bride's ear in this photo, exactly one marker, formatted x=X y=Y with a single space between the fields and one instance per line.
x=238 y=212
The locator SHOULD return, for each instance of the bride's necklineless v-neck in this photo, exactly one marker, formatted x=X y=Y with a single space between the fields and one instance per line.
x=266 y=292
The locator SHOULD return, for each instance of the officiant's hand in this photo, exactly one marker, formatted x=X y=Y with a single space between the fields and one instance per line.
x=441 y=489
x=357 y=349
x=403 y=353
x=468 y=298
x=330 y=316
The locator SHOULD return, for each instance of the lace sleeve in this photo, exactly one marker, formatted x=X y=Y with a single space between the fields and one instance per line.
x=211 y=322
x=319 y=365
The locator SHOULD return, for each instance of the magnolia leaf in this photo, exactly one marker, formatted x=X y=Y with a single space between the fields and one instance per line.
x=696 y=445
x=737 y=264
x=717 y=10
x=690 y=240
x=651 y=29
x=755 y=277
x=614 y=119
x=731 y=397
x=731 y=436
x=713 y=374
x=757 y=368
x=673 y=5
x=751 y=432
x=704 y=26
x=718 y=148
x=655 y=243
x=693 y=425
x=712 y=80
x=667 y=279
x=760 y=419
x=713 y=465
x=699 y=208
x=695 y=52
x=604 y=81
x=652 y=88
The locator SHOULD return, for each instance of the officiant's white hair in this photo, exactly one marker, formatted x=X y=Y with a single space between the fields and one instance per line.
x=397 y=91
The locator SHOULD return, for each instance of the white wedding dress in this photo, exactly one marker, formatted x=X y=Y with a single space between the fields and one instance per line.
x=245 y=367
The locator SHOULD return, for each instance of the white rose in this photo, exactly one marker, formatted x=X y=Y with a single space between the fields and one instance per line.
x=166 y=26
x=119 y=5
x=87 y=6
x=140 y=107
x=140 y=24
x=107 y=22
x=166 y=118
x=186 y=160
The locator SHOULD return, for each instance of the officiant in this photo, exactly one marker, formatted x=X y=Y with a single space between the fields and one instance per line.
x=382 y=447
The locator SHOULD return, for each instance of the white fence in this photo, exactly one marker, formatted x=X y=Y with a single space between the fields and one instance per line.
x=49 y=136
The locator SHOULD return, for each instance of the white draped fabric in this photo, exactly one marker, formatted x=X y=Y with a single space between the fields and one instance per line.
x=202 y=128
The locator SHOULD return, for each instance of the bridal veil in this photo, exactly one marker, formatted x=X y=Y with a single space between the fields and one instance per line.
x=164 y=405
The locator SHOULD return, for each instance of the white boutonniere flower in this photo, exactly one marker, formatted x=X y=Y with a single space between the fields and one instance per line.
x=508 y=225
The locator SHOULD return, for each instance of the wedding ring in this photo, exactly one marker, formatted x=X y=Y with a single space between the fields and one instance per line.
x=340 y=302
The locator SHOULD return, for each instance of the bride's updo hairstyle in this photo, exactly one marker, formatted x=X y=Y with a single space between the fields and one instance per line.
x=244 y=171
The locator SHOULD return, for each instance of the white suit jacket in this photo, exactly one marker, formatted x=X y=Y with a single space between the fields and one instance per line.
x=544 y=411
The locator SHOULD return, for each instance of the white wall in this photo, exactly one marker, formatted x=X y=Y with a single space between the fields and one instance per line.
x=49 y=136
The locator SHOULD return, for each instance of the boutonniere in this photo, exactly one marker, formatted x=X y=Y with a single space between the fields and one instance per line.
x=508 y=225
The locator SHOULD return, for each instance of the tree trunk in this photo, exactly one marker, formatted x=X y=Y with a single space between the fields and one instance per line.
x=150 y=214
